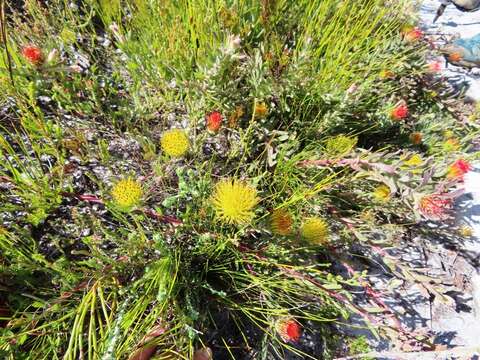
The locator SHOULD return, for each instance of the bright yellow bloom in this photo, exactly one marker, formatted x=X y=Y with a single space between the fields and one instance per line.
x=413 y=161
x=382 y=192
x=315 y=230
x=175 y=142
x=340 y=145
x=281 y=222
x=234 y=201
x=126 y=194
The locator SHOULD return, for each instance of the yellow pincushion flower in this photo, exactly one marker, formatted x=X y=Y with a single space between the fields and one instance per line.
x=126 y=194
x=234 y=201
x=382 y=192
x=281 y=222
x=3 y=231
x=413 y=161
x=315 y=230
x=465 y=231
x=175 y=142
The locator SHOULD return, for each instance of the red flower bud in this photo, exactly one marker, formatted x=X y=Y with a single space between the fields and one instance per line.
x=33 y=54
x=412 y=34
x=399 y=112
x=214 y=121
x=289 y=329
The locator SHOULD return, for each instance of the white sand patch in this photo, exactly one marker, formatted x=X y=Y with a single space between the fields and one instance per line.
x=453 y=23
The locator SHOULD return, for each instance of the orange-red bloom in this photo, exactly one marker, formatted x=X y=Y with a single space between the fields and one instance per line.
x=399 y=112
x=214 y=121
x=435 y=207
x=33 y=54
x=281 y=222
x=458 y=169
x=289 y=329
x=412 y=34
x=455 y=57
x=416 y=138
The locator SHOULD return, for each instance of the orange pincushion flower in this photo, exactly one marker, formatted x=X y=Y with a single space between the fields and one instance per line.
x=33 y=54
x=434 y=207
x=399 y=112
x=458 y=169
x=412 y=34
x=281 y=222
x=235 y=116
x=416 y=138
x=288 y=329
x=455 y=57
x=214 y=121
x=451 y=144
x=260 y=110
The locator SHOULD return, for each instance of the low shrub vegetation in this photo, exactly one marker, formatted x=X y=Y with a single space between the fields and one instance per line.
x=198 y=179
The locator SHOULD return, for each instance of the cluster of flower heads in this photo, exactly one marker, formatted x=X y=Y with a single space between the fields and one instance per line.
x=234 y=202
x=314 y=229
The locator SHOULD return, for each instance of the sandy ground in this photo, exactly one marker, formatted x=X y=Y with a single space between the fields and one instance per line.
x=453 y=23
x=451 y=322
x=461 y=327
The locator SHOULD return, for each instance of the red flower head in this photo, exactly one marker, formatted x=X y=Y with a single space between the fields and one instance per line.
x=288 y=329
x=412 y=34
x=33 y=54
x=458 y=169
x=214 y=121
x=434 y=207
x=435 y=67
x=399 y=112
